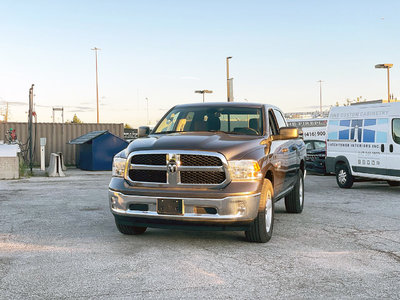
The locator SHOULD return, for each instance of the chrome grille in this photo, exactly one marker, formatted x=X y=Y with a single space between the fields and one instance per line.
x=175 y=168
x=312 y=157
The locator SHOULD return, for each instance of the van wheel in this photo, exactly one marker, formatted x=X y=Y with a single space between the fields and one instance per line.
x=294 y=201
x=393 y=183
x=344 y=178
x=130 y=230
x=260 y=230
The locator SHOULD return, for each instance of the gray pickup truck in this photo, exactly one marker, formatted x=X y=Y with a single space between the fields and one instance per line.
x=210 y=166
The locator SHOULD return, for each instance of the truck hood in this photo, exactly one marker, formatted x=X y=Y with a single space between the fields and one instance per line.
x=231 y=146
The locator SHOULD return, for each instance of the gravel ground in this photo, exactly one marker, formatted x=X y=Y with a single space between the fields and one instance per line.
x=58 y=240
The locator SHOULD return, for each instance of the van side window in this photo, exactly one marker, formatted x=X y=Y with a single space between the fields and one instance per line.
x=273 y=126
x=396 y=130
x=280 y=119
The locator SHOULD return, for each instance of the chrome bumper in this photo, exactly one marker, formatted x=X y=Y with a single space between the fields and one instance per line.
x=235 y=208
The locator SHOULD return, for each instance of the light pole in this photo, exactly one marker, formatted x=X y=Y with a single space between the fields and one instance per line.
x=203 y=92
x=97 y=84
x=227 y=79
x=386 y=66
x=148 y=121
x=320 y=96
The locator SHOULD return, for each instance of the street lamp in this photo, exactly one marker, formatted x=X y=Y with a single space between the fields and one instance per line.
x=203 y=92
x=97 y=84
x=386 y=66
x=228 y=81
x=320 y=96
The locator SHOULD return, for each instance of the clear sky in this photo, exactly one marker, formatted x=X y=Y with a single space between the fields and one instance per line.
x=164 y=50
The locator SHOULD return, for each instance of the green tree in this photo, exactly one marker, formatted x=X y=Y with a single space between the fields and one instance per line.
x=76 y=120
x=127 y=126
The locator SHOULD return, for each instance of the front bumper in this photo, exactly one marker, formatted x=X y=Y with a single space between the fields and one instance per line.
x=228 y=210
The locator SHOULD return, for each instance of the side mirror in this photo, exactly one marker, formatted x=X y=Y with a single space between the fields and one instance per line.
x=288 y=133
x=143 y=131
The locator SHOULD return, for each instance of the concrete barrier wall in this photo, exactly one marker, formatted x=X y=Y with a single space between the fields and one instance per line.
x=58 y=135
x=9 y=168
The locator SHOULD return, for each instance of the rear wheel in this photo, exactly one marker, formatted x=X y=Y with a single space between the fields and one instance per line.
x=344 y=178
x=393 y=183
x=260 y=230
x=130 y=230
x=294 y=201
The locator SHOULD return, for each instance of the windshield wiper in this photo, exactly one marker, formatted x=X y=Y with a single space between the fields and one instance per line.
x=226 y=132
x=166 y=132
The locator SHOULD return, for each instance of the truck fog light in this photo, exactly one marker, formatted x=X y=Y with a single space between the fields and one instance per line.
x=241 y=208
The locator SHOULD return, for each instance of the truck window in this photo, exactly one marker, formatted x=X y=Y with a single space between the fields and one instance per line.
x=280 y=119
x=396 y=130
x=273 y=126
x=319 y=145
x=237 y=120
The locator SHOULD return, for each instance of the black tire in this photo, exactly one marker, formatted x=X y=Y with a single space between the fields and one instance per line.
x=294 y=201
x=344 y=178
x=260 y=231
x=130 y=230
x=393 y=183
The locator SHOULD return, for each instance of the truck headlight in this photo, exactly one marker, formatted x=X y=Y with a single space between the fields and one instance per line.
x=243 y=170
x=118 y=166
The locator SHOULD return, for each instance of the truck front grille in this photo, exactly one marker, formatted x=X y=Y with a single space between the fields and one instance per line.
x=150 y=159
x=200 y=160
x=176 y=168
x=148 y=175
x=202 y=177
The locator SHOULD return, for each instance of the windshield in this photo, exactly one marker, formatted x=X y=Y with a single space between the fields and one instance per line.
x=232 y=120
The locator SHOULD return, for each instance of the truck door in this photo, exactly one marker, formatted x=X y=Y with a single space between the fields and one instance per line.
x=292 y=153
x=394 y=149
x=280 y=158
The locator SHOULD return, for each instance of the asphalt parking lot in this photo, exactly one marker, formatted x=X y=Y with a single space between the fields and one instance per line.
x=58 y=240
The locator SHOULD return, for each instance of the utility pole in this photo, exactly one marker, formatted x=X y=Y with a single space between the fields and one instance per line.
x=320 y=96
x=228 y=81
x=97 y=84
x=30 y=126
x=148 y=121
x=6 y=116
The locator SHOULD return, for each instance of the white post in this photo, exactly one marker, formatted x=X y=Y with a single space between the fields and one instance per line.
x=42 y=153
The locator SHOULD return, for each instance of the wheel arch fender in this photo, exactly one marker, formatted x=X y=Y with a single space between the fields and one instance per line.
x=342 y=160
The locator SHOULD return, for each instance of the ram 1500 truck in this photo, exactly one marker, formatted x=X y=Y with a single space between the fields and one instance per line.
x=210 y=166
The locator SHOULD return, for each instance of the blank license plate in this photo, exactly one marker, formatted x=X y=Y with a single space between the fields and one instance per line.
x=170 y=206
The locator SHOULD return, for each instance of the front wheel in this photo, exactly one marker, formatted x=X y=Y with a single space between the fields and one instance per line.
x=130 y=230
x=294 y=201
x=344 y=178
x=260 y=230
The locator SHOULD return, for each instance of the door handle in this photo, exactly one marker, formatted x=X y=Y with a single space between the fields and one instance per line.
x=391 y=148
x=382 y=148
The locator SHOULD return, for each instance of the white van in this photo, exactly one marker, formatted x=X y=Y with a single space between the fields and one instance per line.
x=364 y=143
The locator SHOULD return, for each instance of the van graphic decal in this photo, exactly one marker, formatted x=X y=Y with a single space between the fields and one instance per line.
x=363 y=130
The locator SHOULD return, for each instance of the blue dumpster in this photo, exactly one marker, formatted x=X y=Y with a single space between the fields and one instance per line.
x=96 y=149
